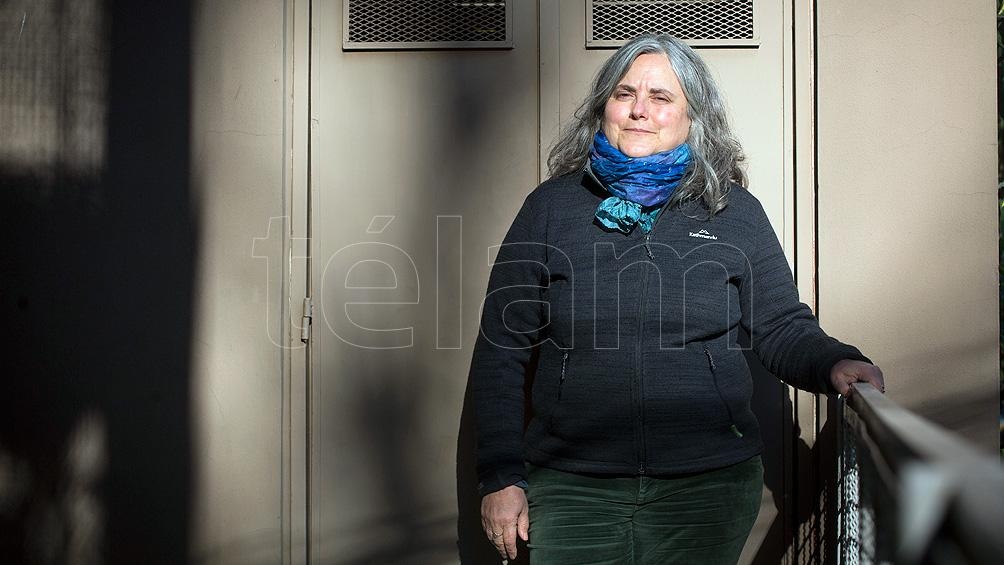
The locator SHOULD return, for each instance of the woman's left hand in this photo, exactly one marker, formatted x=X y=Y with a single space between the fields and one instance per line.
x=848 y=371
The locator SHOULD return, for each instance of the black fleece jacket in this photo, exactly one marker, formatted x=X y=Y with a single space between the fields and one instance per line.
x=639 y=368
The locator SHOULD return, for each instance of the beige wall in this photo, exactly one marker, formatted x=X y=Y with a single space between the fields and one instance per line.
x=907 y=213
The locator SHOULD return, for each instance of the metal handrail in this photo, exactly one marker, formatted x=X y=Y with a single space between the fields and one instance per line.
x=912 y=492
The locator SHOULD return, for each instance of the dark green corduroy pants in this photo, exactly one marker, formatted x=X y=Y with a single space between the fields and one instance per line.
x=697 y=519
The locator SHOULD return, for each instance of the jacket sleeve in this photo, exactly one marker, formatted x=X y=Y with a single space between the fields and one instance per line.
x=511 y=323
x=784 y=333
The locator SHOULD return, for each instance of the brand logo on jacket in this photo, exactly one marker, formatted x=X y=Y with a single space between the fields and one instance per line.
x=703 y=234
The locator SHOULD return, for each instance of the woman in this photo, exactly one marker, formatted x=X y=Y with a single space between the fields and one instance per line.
x=632 y=270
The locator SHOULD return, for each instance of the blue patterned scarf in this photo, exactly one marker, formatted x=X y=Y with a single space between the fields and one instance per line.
x=639 y=185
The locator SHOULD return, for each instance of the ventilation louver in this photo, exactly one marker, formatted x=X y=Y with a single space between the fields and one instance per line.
x=427 y=24
x=722 y=23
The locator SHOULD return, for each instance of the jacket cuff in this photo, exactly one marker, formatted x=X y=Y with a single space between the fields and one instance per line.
x=499 y=479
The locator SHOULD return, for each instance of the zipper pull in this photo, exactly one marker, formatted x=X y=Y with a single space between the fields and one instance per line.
x=711 y=360
x=648 y=250
x=735 y=430
x=564 y=360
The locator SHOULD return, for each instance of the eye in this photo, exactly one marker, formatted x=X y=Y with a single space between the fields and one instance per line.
x=662 y=99
x=622 y=95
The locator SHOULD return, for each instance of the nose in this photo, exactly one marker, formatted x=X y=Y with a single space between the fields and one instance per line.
x=639 y=108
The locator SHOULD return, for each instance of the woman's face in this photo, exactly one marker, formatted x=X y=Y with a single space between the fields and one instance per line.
x=647 y=112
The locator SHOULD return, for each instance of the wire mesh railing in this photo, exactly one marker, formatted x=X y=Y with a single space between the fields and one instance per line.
x=912 y=493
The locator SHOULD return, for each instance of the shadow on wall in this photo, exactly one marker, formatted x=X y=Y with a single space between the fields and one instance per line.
x=96 y=281
x=803 y=526
x=409 y=536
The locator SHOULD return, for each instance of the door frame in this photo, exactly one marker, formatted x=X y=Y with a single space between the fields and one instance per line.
x=296 y=412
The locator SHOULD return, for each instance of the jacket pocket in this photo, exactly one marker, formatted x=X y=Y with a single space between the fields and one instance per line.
x=718 y=390
x=561 y=387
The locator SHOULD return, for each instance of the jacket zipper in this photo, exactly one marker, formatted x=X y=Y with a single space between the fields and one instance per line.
x=639 y=374
x=639 y=369
x=639 y=378
x=714 y=377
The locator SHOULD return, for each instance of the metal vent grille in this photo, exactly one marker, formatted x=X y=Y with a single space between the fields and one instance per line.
x=427 y=24
x=610 y=23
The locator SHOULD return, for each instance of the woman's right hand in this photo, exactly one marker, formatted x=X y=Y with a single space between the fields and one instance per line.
x=504 y=515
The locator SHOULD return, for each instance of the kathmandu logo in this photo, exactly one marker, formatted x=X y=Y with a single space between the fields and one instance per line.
x=703 y=234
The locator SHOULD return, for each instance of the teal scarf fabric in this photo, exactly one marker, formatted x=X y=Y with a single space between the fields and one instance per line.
x=639 y=186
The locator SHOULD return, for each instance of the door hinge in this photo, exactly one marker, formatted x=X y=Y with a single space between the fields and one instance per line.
x=305 y=321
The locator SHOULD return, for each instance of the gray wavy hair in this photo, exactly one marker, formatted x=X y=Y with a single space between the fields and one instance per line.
x=716 y=154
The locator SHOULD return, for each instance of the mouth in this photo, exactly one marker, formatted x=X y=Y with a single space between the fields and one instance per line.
x=637 y=130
